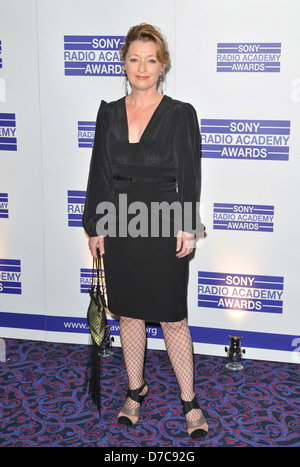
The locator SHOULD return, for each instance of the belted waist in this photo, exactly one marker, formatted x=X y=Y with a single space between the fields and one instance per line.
x=145 y=179
x=136 y=183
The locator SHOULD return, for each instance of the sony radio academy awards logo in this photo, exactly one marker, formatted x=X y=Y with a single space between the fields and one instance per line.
x=8 y=138
x=86 y=133
x=10 y=276
x=76 y=201
x=87 y=279
x=93 y=55
x=249 y=217
x=245 y=139
x=4 y=205
x=259 y=57
x=248 y=292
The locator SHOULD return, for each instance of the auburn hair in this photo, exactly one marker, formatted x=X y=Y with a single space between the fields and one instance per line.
x=146 y=32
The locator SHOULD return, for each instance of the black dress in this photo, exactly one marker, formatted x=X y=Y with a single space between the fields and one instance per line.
x=144 y=278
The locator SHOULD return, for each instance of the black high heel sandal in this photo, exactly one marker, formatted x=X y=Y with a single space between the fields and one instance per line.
x=134 y=394
x=187 y=406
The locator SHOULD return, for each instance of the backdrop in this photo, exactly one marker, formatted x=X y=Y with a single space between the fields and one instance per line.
x=238 y=63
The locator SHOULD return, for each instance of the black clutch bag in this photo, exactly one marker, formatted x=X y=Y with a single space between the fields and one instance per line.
x=96 y=318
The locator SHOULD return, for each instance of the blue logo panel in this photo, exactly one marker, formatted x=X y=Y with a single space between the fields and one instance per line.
x=227 y=291
x=76 y=201
x=4 y=205
x=86 y=279
x=93 y=55
x=86 y=133
x=10 y=276
x=248 y=57
x=8 y=140
x=250 y=217
x=245 y=139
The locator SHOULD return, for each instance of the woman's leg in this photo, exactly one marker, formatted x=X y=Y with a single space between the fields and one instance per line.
x=133 y=341
x=179 y=346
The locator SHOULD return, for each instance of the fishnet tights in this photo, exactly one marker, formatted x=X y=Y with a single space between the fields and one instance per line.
x=179 y=346
x=133 y=340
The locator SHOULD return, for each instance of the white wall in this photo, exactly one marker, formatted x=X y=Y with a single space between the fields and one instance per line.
x=48 y=164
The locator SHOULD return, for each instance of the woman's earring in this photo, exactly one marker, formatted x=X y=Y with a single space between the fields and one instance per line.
x=161 y=83
x=126 y=83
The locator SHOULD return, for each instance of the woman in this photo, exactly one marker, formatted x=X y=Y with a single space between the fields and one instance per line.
x=147 y=150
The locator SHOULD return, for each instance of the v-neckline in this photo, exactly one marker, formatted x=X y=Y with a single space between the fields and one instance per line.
x=148 y=124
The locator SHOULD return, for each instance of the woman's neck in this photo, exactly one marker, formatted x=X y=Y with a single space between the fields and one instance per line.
x=143 y=98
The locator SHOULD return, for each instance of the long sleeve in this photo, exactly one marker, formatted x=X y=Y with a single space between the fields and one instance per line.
x=189 y=169
x=100 y=178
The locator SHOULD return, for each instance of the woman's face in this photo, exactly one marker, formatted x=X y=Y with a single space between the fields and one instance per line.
x=142 y=65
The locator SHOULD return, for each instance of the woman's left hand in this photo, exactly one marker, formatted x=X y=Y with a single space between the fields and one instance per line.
x=185 y=244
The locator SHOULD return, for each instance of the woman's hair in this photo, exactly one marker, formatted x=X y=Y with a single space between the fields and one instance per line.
x=147 y=32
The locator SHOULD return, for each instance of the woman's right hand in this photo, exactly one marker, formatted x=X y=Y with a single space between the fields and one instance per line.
x=94 y=243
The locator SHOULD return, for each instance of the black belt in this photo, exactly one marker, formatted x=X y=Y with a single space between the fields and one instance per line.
x=145 y=179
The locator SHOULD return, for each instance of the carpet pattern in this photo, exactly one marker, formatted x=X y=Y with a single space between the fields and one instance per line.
x=43 y=401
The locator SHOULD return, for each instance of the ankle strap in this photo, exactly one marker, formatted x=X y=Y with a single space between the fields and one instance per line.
x=134 y=394
x=187 y=406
